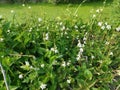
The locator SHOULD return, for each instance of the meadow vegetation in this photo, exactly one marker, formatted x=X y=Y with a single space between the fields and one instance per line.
x=60 y=51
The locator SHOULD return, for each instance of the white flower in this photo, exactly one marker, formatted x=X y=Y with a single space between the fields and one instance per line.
x=118 y=29
x=20 y=76
x=103 y=27
x=106 y=23
x=118 y=72
x=30 y=30
x=54 y=62
x=2 y=56
x=8 y=31
x=68 y=81
x=76 y=26
x=46 y=36
x=94 y=16
x=63 y=28
x=100 y=24
x=42 y=65
x=84 y=38
x=29 y=7
x=54 y=49
x=79 y=44
x=92 y=57
x=31 y=67
x=43 y=86
x=0 y=16
x=66 y=33
x=39 y=19
x=78 y=56
x=111 y=53
x=108 y=27
x=68 y=63
x=107 y=43
x=63 y=64
x=97 y=10
x=23 y=5
x=61 y=23
x=1 y=39
x=12 y=11
x=81 y=50
x=27 y=63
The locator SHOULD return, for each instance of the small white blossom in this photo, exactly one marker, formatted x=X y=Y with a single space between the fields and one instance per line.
x=42 y=65
x=94 y=16
x=79 y=44
x=92 y=57
x=100 y=24
x=69 y=81
x=43 y=86
x=29 y=7
x=107 y=43
x=111 y=53
x=76 y=26
x=118 y=72
x=39 y=19
x=54 y=62
x=118 y=29
x=8 y=31
x=108 y=27
x=20 y=76
x=30 y=30
x=0 y=16
x=106 y=23
x=98 y=10
x=61 y=23
x=23 y=5
x=84 y=38
x=12 y=11
x=81 y=50
x=2 y=56
x=46 y=36
x=27 y=63
x=31 y=67
x=66 y=33
x=63 y=28
x=103 y=27
x=68 y=63
x=54 y=49
x=1 y=39
x=63 y=64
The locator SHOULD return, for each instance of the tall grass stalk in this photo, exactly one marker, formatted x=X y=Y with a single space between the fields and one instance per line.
x=4 y=76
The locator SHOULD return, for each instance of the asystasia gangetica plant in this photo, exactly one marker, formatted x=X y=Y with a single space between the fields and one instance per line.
x=59 y=54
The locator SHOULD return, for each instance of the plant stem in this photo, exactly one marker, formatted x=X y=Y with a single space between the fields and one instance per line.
x=4 y=76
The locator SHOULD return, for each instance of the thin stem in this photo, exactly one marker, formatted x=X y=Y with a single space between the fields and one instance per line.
x=79 y=6
x=19 y=55
x=4 y=76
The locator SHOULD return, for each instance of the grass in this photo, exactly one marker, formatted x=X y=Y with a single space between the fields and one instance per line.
x=49 y=10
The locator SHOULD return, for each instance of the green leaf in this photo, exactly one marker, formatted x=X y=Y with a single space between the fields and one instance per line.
x=13 y=87
x=88 y=74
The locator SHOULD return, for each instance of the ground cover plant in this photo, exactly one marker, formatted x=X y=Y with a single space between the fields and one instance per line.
x=64 y=53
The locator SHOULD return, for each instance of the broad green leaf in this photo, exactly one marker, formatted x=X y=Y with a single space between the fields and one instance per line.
x=88 y=74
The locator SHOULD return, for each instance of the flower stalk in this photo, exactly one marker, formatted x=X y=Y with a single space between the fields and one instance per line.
x=4 y=76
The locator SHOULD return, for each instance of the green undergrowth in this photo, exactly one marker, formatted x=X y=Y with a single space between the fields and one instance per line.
x=61 y=53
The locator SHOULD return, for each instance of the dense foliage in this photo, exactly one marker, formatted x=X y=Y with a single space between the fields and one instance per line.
x=59 y=54
x=64 y=53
